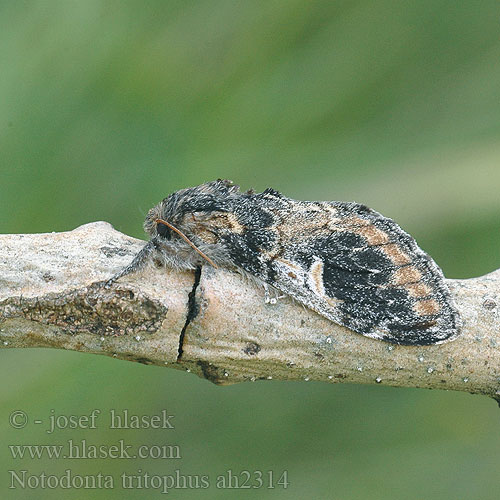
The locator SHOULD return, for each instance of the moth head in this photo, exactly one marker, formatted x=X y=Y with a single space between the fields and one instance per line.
x=185 y=218
x=185 y=207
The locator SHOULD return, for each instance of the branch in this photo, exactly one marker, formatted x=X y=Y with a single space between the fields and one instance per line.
x=216 y=324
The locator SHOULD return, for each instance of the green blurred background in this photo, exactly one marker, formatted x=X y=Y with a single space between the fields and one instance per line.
x=106 y=107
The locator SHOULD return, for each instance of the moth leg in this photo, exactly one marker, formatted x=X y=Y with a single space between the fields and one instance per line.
x=271 y=295
x=138 y=263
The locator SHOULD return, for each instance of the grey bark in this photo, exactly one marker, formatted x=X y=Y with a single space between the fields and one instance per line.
x=216 y=323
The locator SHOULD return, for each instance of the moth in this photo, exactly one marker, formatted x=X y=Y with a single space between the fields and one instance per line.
x=343 y=260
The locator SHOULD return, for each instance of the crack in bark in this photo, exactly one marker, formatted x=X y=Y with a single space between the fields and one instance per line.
x=193 y=310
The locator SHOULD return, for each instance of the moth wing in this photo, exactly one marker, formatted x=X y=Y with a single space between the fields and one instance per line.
x=364 y=272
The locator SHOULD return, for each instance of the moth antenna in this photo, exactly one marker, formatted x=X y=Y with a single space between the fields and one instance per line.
x=188 y=241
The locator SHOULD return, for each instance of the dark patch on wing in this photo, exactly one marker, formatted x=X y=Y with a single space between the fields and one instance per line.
x=206 y=203
x=259 y=240
x=246 y=249
x=253 y=216
x=347 y=262
x=243 y=255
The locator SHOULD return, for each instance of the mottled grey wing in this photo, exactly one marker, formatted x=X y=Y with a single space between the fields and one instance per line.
x=361 y=270
x=345 y=261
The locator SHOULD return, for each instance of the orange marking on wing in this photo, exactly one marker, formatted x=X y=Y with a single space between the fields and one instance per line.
x=397 y=256
x=407 y=274
x=418 y=289
x=373 y=235
x=316 y=273
x=222 y=220
x=427 y=307
x=354 y=220
x=234 y=224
